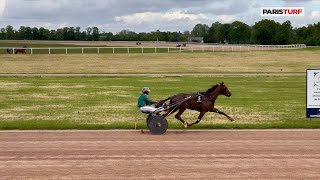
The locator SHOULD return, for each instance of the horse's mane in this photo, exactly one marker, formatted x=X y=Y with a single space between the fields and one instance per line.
x=214 y=87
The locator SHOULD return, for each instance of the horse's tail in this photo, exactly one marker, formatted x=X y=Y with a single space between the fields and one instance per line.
x=161 y=102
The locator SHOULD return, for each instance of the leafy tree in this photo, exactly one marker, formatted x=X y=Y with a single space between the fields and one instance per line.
x=174 y=37
x=35 y=33
x=59 y=34
x=10 y=33
x=83 y=36
x=71 y=33
x=182 y=38
x=209 y=37
x=95 y=34
x=223 y=33
x=44 y=34
x=240 y=33
x=53 y=35
x=264 y=31
x=24 y=33
x=316 y=34
x=106 y=36
x=28 y=33
x=2 y=33
x=284 y=33
x=21 y=32
x=200 y=30
x=89 y=31
x=214 y=35
x=77 y=34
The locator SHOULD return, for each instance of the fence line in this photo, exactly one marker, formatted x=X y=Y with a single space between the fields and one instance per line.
x=128 y=50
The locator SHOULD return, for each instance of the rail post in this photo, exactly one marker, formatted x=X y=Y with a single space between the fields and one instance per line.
x=98 y=50
x=81 y=50
x=31 y=50
x=66 y=50
x=49 y=50
x=112 y=50
x=142 y=50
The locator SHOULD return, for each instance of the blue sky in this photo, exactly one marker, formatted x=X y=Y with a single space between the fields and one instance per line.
x=145 y=16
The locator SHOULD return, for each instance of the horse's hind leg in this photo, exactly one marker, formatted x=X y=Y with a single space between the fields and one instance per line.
x=220 y=112
x=202 y=113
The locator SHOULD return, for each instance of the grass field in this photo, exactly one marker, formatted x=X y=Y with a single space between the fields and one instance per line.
x=91 y=47
x=100 y=102
x=219 y=62
x=116 y=47
x=269 y=93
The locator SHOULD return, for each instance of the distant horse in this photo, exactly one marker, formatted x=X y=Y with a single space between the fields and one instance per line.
x=138 y=43
x=179 y=45
x=202 y=102
x=22 y=50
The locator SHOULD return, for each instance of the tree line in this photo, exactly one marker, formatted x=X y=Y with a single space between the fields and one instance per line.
x=265 y=32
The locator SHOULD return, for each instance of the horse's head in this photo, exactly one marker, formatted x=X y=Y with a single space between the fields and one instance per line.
x=224 y=90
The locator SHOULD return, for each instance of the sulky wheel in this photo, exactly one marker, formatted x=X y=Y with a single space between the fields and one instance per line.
x=157 y=124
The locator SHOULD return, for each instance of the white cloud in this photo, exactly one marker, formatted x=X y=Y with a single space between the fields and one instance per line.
x=141 y=15
x=225 y=18
x=157 y=17
x=2 y=7
x=316 y=2
x=315 y=15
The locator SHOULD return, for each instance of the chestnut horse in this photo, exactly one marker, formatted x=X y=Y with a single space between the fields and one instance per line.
x=202 y=102
x=22 y=51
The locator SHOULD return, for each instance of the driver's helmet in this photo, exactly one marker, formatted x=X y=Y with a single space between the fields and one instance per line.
x=145 y=90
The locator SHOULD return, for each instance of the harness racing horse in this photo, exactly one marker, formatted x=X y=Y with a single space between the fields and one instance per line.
x=22 y=51
x=206 y=103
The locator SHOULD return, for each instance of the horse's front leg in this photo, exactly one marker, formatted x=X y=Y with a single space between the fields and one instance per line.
x=220 y=112
x=202 y=113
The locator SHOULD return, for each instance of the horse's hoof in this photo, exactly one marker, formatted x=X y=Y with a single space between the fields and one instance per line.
x=185 y=124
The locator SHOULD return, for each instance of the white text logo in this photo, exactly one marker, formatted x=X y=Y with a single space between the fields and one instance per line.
x=282 y=11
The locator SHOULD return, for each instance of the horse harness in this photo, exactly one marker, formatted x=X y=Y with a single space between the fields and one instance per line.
x=199 y=100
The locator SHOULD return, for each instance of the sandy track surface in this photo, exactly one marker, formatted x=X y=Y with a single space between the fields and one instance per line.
x=175 y=155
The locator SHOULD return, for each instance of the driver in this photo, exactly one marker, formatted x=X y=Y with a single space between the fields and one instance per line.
x=144 y=102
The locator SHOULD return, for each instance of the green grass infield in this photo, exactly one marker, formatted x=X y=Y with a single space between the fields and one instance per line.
x=110 y=102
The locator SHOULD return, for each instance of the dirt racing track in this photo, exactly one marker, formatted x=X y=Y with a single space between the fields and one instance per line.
x=230 y=154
